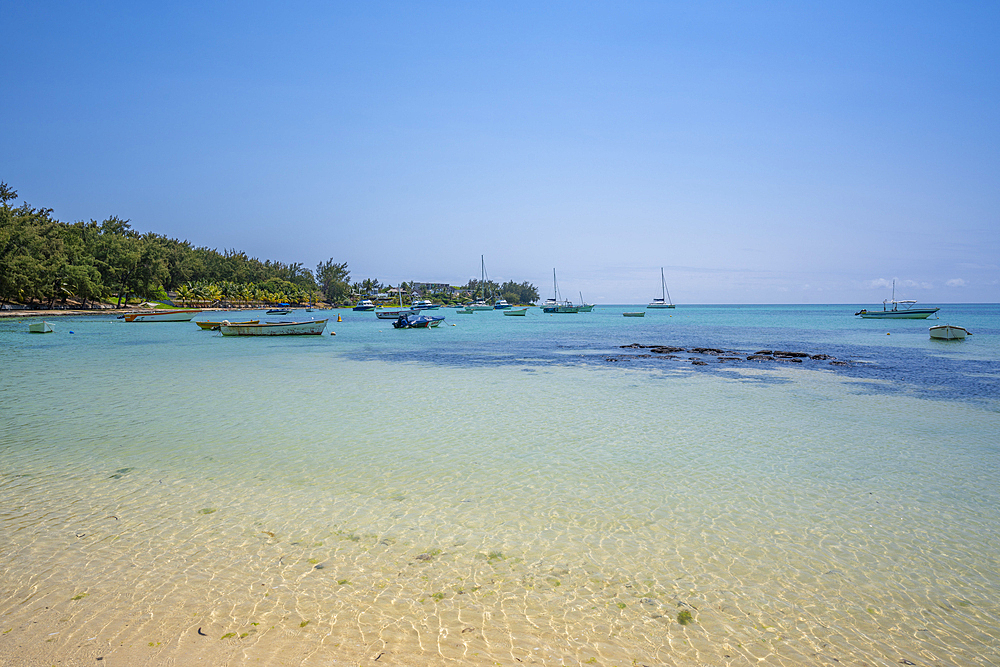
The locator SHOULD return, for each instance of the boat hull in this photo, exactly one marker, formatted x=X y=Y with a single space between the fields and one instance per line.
x=40 y=327
x=162 y=316
x=641 y=313
x=948 y=332
x=395 y=314
x=214 y=326
x=516 y=312
x=561 y=309
x=309 y=328
x=656 y=306
x=911 y=314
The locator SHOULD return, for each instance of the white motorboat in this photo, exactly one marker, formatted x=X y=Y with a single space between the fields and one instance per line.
x=305 y=328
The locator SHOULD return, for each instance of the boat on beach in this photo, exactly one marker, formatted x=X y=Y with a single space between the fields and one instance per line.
x=40 y=327
x=214 y=326
x=172 y=315
x=949 y=332
x=664 y=301
x=304 y=328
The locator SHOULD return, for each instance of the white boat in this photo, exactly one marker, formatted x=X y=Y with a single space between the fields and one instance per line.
x=172 y=315
x=899 y=310
x=554 y=305
x=397 y=312
x=584 y=306
x=501 y=304
x=480 y=302
x=278 y=311
x=949 y=332
x=517 y=312
x=40 y=327
x=364 y=305
x=305 y=328
x=664 y=300
x=426 y=304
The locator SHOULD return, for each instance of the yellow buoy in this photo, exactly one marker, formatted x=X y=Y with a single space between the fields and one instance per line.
x=338 y=318
x=333 y=333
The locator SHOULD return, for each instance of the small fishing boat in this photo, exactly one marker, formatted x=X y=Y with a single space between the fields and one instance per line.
x=171 y=315
x=364 y=305
x=467 y=310
x=516 y=312
x=584 y=306
x=214 y=326
x=664 y=301
x=949 y=332
x=418 y=322
x=900 y=310
x=279 y=311
x=640 y=313
x=40 y=327
x=305 y=328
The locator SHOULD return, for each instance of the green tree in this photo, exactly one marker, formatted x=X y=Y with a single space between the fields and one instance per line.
x=334 y=280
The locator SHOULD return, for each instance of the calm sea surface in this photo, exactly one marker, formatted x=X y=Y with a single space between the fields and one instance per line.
x=504 y=490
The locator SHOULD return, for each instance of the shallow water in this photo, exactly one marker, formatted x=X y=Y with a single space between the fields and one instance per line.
x=503 y=490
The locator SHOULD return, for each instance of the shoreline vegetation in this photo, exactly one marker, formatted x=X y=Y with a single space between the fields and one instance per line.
x=107 y=265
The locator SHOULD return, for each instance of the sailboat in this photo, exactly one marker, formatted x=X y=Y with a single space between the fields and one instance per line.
x=664 y=300
x=554 y=305
x=584 y=306
x=480 y=303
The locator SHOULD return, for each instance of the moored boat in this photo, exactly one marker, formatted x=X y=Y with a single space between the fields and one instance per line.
x=501 y=304
x=664 y=301
x=418 y=322
x=305 y=328
x=172 y=315
x=516 y=312
x=554 y=305
x=279 y=311
x=640 y=313
x=40 y=327
x=214 y=326
x=899 y=310
x=949 y=332
x=364 y=305
x=426 y=304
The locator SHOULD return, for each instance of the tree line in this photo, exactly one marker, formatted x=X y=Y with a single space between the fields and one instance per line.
x=44 y=261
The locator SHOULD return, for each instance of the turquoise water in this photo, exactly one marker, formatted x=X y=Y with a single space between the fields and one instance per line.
x=504 y=489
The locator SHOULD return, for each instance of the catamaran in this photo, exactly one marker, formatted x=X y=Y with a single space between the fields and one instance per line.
x=664 y=301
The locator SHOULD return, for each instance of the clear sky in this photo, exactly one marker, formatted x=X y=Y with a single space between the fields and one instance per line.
x=769 y=152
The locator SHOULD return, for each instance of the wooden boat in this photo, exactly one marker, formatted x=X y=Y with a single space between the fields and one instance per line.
x=900 y=310
x=641 y=313
x=517 y=312
x=214 y=326
x=305 y=328
x=40 y=327
x=949 y=332
x=172 y=315
x=664 y=300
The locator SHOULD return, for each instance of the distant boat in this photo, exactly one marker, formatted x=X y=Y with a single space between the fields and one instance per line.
x=517 y=312
x=584 y=306
x=466 y=310
x=40 y=327
x=172 y=315
x=501 y=304
x=396 y=312
x=306 y=328
x=664 y=300
x=364 y=305
x=949 y=332
x=554 y=305
x=900 y=310
x=278 y=311
x=426 y=304
x=214 y=326
x=640 y=313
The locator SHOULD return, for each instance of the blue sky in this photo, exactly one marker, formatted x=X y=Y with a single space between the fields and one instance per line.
x=759 y=152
